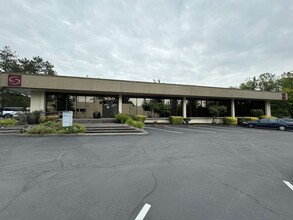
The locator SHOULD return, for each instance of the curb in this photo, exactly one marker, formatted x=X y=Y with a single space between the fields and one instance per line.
x=144 y=132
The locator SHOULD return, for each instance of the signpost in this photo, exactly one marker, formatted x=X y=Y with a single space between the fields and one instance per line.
x=67 y=118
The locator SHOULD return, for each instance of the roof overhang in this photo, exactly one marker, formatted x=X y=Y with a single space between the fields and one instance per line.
x=95 y=86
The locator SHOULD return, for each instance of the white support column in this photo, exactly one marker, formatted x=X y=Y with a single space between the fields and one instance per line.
x=268 y=108
x=38 y=101
x=184 y=107
x=232 y=108
x=120 y=104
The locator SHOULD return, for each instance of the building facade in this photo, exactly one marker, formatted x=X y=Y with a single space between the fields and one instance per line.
x=94 y=98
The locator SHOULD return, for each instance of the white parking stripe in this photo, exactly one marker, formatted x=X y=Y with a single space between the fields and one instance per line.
x=176 y=132
x=288 y=184
x=143 y=212
x=230 y=130
x=192 y=129
x=256 y=130
x=243 y=129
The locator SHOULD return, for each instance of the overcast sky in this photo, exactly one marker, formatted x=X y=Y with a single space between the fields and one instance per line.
x=200 y=42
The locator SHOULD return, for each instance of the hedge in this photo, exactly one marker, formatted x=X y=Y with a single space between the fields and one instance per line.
x=52 y=127
x=176 y=120
x=8 y=122
x=230 y=121
x=44 y=119
x=140 y=118
x=267 y=116
x=246 y=118
x=135 y=121
x=137 y=124
x=122 y=118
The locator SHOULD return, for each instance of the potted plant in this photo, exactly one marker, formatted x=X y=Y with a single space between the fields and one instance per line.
x=186 y=120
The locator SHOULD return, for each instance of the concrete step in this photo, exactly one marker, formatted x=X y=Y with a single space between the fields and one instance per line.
x=94 y=120
x=114 y=131
x=104 y=125
x=9 y=130
x=110 y=128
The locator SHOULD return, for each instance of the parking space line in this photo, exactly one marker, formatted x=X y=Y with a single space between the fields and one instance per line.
x=192 y=129
x=288 y=184
x=255 y=130
x=243 y=129
x=143 y=212
x=230 y=130
x=176 y=132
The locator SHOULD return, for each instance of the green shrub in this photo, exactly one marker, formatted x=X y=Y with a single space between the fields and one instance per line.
x=130 y=122
x=52 y=127
x=256 y=112
x=133 y=123
x=44 y=119
x=8 y=122
x=176 y=120
x=140 y=118
x=122 y=118
x=246 y=118
x=138 y=124
x=21 y=119
x=267 y=116
x=230 y=121
x=33 y=117
x=186 y=120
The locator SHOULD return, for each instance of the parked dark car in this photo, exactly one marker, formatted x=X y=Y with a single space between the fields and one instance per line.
x=281 y=124
x=287 y=119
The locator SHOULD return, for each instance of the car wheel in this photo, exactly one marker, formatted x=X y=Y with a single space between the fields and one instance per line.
x=282 y=128
x=250 y=125
x=7 y=116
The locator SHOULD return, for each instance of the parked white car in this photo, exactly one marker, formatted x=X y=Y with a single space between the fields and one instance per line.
x=9 y=112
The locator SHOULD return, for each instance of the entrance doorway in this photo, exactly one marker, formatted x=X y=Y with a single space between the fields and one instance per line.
x=110 y=108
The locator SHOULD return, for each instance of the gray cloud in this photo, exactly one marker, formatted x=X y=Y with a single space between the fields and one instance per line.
x=216 y=43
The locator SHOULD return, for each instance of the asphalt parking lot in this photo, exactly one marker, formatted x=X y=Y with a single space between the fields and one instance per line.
x=186 y=172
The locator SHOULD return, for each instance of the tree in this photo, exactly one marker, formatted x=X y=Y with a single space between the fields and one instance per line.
x=14 y=99
x=216 y=111
x=257 y=112
x=272 y=83
x=268 y=82
x=249 y=84
x=264 y=82
x=10 y=62
x=285 y=108
x=156 y=106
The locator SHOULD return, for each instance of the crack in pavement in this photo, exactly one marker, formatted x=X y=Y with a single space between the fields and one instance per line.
x=29 y=184
x=145 y=196
x=37 y=178
x=258 y=202
x=61 y=155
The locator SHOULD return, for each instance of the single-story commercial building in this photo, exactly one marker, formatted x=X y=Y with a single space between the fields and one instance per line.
x=94 y=97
